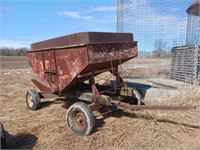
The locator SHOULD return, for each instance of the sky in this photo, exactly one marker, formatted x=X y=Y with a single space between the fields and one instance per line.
x=23 y=22
x=150 y=20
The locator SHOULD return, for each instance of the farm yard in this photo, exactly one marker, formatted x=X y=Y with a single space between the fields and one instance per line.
x=116 y=75
x=140 y=129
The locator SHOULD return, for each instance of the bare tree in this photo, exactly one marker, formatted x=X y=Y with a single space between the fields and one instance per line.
x=9 y=51
x=160 y=48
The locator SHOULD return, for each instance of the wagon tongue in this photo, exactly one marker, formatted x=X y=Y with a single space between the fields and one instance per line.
x=122 y=105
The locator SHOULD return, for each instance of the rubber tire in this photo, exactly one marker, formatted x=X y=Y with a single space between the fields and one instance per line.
x=3 y=139
x=89 y=117
x=36 y=99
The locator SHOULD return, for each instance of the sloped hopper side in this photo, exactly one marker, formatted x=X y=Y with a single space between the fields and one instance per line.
x=59 y=62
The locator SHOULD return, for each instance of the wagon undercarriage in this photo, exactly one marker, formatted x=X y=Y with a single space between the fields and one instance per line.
x=116 y=96
x=68 y=66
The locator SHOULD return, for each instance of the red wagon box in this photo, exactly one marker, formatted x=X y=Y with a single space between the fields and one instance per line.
x=61 y=61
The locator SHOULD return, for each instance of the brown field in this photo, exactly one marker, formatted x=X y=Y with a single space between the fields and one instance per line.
x=46 y=128
x=13 y=62
x=141 y=67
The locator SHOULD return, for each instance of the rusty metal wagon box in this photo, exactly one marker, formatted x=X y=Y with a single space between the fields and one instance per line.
x=60 y=61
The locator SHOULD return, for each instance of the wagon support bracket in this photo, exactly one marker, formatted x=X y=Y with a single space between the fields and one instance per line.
x=97 y=97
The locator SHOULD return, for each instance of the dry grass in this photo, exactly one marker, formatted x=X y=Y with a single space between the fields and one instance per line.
x=46 y=128
x=142 y=68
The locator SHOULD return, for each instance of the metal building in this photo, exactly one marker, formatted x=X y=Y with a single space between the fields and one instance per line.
x=185 y=60
x=193 y=27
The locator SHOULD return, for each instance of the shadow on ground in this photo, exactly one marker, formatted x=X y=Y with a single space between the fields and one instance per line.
x=112 y=112
x=67 y=102
x=121 y=113
x=20 y=140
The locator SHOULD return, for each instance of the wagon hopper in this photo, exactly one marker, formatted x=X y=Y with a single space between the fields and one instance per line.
x=67 y=66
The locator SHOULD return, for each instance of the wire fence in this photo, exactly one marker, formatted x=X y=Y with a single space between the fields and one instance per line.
x=150 y=20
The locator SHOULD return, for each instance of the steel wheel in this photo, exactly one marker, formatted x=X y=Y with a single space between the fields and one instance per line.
x=32 y=99
x=80 y=119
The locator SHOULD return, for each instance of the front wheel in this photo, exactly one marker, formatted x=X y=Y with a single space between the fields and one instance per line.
x=32 y=99
x=80 y=119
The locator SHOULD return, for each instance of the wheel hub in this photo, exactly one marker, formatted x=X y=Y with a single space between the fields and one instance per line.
x=79 y=121
x=30 y=100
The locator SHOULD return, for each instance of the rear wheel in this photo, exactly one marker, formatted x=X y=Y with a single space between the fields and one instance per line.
x=32 y=99
x=80 y=119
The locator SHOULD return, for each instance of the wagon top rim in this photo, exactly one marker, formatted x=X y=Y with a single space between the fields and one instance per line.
x=83 y=38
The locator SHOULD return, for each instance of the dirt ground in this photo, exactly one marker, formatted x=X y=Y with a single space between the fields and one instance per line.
x=46 y=127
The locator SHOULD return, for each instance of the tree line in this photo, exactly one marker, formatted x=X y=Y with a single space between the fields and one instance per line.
x=10 y=51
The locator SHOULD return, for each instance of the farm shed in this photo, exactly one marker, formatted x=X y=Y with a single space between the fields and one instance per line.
x=193 y=25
